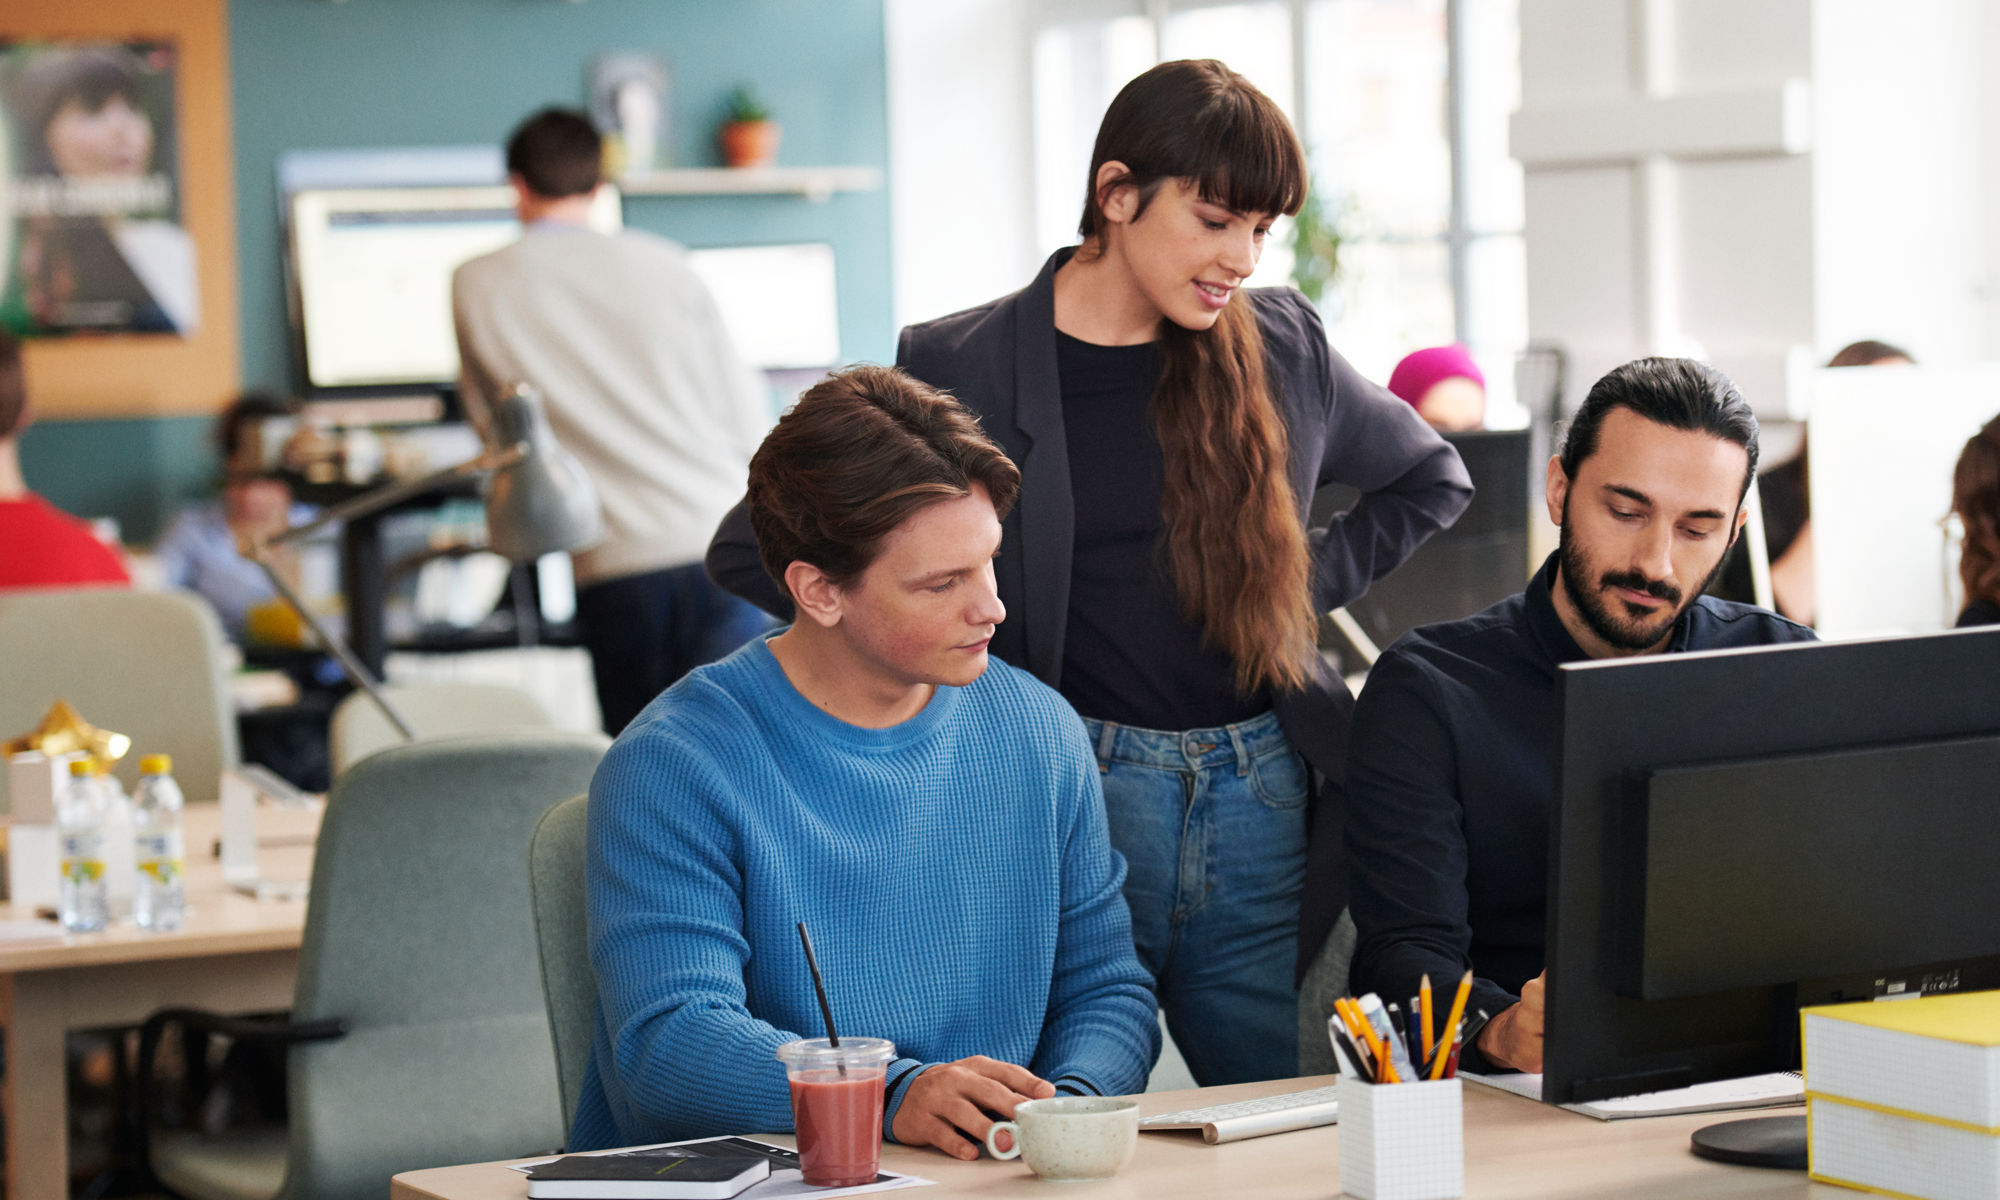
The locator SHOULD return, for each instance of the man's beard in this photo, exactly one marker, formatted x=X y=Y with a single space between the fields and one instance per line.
x=1626 y=631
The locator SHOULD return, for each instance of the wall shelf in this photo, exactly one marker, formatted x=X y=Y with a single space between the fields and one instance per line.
x=814 y=183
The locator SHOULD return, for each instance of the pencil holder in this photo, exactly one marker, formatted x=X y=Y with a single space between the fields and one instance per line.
x=1402 y=1141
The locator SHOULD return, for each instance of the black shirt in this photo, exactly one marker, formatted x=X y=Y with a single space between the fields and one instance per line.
x=1450 y=774
x=1128 y=655
x=1979 y=612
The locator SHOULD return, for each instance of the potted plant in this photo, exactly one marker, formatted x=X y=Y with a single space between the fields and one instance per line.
x=1316 y=238
x=749 y=137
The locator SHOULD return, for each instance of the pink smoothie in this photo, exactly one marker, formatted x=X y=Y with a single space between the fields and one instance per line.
x=839 y=1123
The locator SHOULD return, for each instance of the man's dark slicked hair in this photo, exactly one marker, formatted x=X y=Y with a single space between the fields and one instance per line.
x=557 y=152
x=1679 y=393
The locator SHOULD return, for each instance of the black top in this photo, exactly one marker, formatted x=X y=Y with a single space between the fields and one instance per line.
x=999 y=360
x=1130 y=656
x=1783 y=492
x=1450 y=782
x=1979 y=612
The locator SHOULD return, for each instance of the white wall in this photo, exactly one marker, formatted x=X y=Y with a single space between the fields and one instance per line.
x=961 y=158
x=1757 y=182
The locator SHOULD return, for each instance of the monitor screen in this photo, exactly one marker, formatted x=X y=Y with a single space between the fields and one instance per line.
x=371 y=277
x=779 y=303
x=1738 y=834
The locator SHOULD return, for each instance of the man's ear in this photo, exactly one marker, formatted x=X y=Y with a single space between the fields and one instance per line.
x=814 y=595
x=1555 y=489
x=1118 y=201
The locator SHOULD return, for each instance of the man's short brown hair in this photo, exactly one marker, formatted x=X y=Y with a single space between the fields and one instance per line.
x=13 y=386
x=860 y=452
x=557 y=153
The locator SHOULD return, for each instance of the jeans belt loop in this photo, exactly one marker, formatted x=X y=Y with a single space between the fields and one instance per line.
x=1106 y=735
x=1242 y=752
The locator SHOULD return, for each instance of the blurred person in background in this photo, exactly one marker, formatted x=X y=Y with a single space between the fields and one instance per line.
x=1785 y=492
x=40 y=545
x=1975 y=497
x=200 y=553
x=643 y=385
x=1444 y=385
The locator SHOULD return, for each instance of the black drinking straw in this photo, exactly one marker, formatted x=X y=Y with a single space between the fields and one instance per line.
x=819 y=985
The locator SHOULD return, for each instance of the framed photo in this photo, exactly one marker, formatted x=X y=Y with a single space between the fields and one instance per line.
x=91 y=227
x=630 y=102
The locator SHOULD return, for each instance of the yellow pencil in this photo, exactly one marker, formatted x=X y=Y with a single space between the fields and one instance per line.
x=1451 y=1022
x=1424 y=1015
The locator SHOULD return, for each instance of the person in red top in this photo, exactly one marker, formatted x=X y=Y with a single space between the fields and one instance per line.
x=40 y=545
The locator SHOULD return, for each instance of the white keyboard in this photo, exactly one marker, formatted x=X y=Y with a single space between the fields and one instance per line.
x=1253 y=1118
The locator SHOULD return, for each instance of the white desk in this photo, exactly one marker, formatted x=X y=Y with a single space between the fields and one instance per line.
x=1515 y=1149
x=233 y=954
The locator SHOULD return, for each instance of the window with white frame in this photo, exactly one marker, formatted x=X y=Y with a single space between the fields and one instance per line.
x=1402 y=106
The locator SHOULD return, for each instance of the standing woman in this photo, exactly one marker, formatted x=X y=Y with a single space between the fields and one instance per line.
x=1171 y=429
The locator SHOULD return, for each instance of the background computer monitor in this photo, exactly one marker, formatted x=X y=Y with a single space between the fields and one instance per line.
x=1481 y=559
x=370 y=273
x=1739 y=834
x=779 y=303
x=1883 y=443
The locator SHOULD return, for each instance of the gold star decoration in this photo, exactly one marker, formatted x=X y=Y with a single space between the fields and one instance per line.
x=64 y=731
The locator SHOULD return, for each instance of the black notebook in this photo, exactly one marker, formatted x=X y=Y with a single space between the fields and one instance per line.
x=663 y=1173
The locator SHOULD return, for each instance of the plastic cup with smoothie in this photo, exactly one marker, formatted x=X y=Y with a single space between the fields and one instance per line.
x=837 y=1107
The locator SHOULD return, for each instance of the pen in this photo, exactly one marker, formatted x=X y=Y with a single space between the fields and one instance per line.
x=1344 y=1049
x=1451 y=1024
x=1406 y=1033
x=1398 y=1057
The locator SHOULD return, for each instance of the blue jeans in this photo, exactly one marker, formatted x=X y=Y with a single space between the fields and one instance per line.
x=646 y=631
x=1212 y=824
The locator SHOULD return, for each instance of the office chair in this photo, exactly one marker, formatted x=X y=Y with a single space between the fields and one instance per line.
x=417 y=1036
x=555 y=882
x=434 y=710
x=147 y=664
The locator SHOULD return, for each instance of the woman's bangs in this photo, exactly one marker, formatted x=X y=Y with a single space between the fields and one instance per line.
x=1254 y=164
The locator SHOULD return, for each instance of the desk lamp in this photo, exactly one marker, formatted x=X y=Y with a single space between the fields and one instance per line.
x=538 y=501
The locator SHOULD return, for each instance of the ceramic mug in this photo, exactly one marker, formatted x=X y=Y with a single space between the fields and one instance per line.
x=1071 y=1137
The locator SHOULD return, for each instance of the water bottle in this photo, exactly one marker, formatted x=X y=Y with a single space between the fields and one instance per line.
x=86 y=893
x=159 y=896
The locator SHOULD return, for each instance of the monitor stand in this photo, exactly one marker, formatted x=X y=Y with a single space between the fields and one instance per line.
x=1778 y=1142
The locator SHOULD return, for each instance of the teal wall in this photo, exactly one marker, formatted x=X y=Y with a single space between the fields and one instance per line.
x=138 y=470
x=307 y=74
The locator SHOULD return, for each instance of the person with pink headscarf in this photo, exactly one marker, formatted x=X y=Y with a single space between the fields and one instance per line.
x=1444 y=385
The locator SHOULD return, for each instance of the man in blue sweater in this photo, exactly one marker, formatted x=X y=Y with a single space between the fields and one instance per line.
x=934 y=818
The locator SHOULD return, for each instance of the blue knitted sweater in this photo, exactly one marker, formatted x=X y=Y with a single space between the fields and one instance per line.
x=955 y=871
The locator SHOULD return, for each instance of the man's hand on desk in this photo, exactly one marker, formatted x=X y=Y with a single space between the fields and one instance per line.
x=1514 y=1038
x=952 y=1105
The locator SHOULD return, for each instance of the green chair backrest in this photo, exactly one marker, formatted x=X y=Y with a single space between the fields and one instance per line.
x=419 y=934
x=555 y=879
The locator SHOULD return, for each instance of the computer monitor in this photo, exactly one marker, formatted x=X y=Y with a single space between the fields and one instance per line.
x=371 y=279
x=1739 y=834
x=1481 y=559
x=779 y=303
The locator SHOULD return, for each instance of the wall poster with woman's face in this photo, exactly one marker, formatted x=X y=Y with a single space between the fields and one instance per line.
x=91 y=233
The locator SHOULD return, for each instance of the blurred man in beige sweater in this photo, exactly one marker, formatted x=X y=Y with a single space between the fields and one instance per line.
x=642 y=384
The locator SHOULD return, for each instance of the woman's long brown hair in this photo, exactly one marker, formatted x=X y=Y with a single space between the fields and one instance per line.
x=1235 y=542
x=1975 y=497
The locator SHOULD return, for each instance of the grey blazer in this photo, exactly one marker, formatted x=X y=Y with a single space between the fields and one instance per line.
x=1000 y=361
